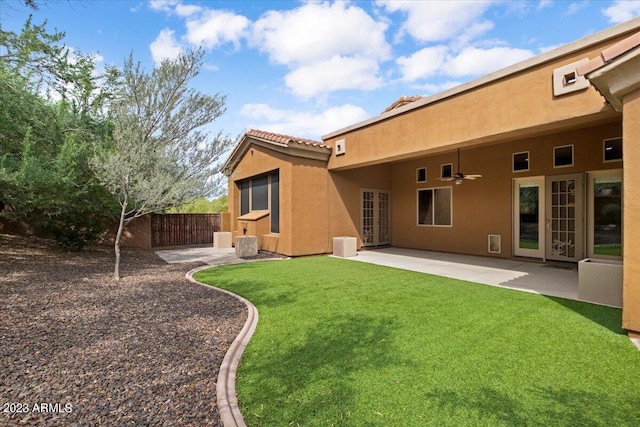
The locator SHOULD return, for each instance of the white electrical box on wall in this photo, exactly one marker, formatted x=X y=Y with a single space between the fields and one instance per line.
x=341 y=147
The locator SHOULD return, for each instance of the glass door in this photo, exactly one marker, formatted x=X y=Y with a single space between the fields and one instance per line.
x=375 y=224
x=564 y=217
x=528 y=217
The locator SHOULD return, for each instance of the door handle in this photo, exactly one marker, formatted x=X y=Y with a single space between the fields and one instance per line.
x=548 y=223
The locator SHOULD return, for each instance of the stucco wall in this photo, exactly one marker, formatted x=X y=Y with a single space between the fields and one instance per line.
x=257 y=161
x=513 y=107
x=303 y=200
x=344 y=196
x=631 y=273
x=484 y=206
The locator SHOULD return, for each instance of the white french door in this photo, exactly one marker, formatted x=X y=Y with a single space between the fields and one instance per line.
x=565 y=217
x=548 y=217
x=528 y=217
x=375 y=221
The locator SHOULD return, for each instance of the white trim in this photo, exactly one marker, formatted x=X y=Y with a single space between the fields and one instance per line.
x=513 y=162
x=442 y=170
x=573 y=156
x=493 y=237
x=590 y=176
x=417 y=175
x=517 y=250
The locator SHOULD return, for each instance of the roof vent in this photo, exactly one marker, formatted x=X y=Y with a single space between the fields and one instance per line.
x=567 y=80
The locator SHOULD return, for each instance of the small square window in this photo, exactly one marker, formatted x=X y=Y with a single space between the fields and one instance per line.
x=421 y=175
x=446 y=171
x=612 y=150
x=521 y=161
x=569 y=78
x=563 y=156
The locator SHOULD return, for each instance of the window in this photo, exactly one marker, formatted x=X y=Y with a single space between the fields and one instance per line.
x=421 y=175
x=563 y=156
x=434 y=206
x=612 y=150
x=521 y=161
x=260 y=194
x=275 y=203
x=446 y=171
x=605 y=214
x=244 y=197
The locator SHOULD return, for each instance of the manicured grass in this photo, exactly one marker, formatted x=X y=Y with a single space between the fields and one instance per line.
x=528 y=244
x=351 y=344
x=613 y=250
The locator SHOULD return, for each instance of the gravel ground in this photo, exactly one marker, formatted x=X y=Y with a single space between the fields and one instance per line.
x=79 y=348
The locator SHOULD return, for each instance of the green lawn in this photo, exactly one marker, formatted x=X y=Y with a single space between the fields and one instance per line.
x=351 y=344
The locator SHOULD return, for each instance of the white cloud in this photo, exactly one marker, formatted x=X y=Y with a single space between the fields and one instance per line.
x=471 y=61
x=187 y=9
x=303 y=124
x=575 y=7
x=430 y=21
x=214 y=27
x=165 y=46
x=432 y=88
x=163 y=5
x=423 y=63
x=315 y=32
x=621 y=11
x=334 y=74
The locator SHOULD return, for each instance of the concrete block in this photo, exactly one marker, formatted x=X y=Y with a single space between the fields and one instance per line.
x=246 y=246
x=222 y=239
x=600 y=281
x=345 y=246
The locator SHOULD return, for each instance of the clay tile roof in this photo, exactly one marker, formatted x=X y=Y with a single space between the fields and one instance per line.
x=283 y=139
x=403 y=100
x=610 y=54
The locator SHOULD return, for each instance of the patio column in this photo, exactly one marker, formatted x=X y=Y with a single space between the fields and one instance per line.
x=631 y=218
x=616 y=75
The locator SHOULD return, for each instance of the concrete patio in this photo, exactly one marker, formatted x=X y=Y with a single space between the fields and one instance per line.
x=551 y=279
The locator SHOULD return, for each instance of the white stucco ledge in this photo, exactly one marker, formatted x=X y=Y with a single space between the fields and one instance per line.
x=227 y=400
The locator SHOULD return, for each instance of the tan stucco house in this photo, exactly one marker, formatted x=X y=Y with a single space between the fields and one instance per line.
x=548 y=136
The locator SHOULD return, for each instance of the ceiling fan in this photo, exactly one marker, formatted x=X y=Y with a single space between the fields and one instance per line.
x=459 y=176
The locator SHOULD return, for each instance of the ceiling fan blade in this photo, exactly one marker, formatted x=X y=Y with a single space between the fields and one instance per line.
x=472 y=176
x=447 y=179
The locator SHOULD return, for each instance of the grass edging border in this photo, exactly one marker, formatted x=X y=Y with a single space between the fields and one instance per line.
x=226 y=397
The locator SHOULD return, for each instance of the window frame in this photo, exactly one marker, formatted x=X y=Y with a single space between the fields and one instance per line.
x=442 y=166
x=270 y=196
x=573 y=156
x=433 y=214
x=418 y=181
x=513 y=162
x=590 y=220
x=604 y=150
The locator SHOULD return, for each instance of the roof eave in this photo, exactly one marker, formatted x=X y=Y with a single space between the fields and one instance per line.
x=293 y=148
x=583 y=43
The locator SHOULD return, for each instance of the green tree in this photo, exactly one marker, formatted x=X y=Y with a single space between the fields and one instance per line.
x=202 y=205
x=46 y=142
x=160 y=156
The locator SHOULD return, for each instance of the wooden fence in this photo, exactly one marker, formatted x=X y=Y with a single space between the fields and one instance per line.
x=183 y=229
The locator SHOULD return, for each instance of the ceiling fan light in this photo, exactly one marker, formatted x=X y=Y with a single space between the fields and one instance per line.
x=458 y=181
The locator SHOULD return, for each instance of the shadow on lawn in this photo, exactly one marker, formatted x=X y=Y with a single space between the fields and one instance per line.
x=544 y=406
x=607 y=317
x=311 y=382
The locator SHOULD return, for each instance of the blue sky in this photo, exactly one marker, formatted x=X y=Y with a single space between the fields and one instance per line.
x=306 y=68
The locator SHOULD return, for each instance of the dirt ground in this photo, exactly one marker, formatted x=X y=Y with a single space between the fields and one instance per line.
x=78 y=348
